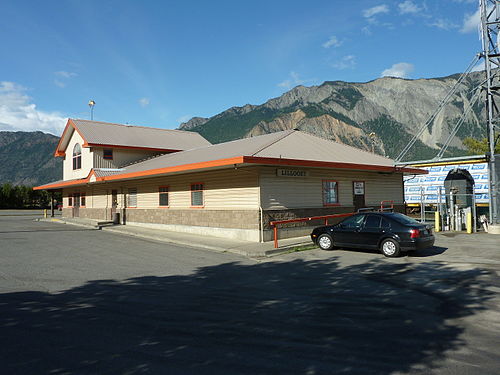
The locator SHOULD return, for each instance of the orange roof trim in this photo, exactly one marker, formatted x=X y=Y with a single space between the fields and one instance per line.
x=234 y=161
x=70 y=122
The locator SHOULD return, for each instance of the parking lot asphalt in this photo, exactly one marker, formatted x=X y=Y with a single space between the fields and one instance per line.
x=80 y=301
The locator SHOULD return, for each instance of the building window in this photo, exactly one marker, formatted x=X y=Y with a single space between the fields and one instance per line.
x=82 y=200
x=197 y=195
x=70 y=201
x=330 y=192
x=77 y=157
x=163 y=196
x=132 y=197
x=107 y=154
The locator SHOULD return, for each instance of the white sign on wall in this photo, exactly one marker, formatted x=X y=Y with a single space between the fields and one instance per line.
x=291 y=173
x=359 y=187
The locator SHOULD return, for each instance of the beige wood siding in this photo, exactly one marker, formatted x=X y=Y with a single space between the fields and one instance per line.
x=121 y=157
x=224 y=189
x=306 y=192
x=87 y=159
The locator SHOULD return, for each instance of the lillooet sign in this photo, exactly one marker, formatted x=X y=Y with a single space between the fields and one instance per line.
x=291 y=173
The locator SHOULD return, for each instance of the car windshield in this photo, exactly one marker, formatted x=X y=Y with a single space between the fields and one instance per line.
x=403 y=219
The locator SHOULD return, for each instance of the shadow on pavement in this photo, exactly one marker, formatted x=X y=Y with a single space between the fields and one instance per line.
x=300 y=317
x=429 y=252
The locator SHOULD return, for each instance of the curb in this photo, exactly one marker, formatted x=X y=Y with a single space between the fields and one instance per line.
x=235 y=250
x=165 y=240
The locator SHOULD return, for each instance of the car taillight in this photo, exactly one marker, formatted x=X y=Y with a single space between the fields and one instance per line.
x=414 y=233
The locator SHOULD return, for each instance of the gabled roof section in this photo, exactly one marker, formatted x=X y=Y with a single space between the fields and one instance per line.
x=104 y=134
x=286 y=148
x=290 y=148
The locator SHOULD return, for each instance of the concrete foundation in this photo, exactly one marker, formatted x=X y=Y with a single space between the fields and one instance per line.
x=252 y=235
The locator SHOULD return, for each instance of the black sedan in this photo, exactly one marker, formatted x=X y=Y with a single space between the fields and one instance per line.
x=390 y=232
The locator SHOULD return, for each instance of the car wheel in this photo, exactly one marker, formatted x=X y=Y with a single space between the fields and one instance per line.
x=325 y=242
x=390 y=248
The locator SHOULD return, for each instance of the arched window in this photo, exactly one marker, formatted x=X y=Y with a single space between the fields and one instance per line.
x=77 y=157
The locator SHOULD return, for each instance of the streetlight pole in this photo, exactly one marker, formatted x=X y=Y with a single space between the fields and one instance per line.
x=91 y=105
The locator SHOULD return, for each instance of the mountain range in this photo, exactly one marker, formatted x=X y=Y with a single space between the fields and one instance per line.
x=380 y=116
x=27 y=158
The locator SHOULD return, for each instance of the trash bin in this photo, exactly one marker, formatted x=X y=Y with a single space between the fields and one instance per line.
x=116 y=218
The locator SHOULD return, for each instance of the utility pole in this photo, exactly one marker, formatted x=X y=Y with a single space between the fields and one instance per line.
x=490 y=23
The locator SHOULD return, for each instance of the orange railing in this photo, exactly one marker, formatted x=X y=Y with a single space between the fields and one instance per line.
x=275 y=224
x=382 y=208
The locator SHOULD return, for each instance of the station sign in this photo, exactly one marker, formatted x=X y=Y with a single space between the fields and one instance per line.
x=292 y=173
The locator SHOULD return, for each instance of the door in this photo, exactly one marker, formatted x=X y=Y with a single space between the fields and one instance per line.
x=358 y=195
x=114 y=203
x=347 y=232
x=371 y=231
x=76 y=205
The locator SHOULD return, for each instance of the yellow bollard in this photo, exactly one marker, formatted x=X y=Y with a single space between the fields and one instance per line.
x=45 y=213
x=437 y=222
x=469 y=222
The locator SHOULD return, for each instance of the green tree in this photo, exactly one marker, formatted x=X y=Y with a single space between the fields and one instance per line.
x=479 y=146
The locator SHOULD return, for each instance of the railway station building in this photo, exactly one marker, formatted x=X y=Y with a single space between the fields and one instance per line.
x=178 y=181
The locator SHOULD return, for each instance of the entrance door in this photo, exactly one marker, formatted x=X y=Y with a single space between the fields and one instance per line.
x=76 y=205
x=114 y=203
x=358 y=195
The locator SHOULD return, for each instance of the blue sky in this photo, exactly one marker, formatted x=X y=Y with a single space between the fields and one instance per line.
x=157 y=63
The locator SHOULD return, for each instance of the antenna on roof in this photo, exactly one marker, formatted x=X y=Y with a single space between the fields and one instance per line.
x=91 y=105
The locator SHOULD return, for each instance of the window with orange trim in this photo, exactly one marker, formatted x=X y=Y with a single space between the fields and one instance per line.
x=77 y=157
x=163 y=196
x=197 y=195
x=82 y=200
x=70 y=201
x=330 y=192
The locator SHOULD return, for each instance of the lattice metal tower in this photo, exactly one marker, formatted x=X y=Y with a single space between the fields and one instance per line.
x=490 y=24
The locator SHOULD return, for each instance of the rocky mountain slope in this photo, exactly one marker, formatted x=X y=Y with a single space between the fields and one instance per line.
x=380 y=115
x=27 y=158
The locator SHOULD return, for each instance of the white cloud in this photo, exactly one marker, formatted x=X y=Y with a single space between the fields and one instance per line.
x=400 y=70
x=332 y=42
x=293 y=81
x=471 y=22
x=62 y=77
x=347 y=62
x=443 y=24
x=18 y=113
x=144 y=102
x=370 y=12
x=408 y=7
x=64 y=74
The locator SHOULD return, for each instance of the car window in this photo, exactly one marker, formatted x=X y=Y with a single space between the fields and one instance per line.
x=353 y=221
x=385 y=224
x=372 y=221
x=403 y=219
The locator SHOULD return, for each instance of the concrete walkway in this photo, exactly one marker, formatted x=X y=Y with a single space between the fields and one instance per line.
x=246 y=248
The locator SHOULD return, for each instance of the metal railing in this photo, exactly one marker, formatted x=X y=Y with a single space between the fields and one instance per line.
x=275 y=224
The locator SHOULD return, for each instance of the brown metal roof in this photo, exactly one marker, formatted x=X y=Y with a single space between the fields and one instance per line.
x=286 y=148
x=288 y=144
x=138 y=136
x=109 y=134
x=104 y=172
